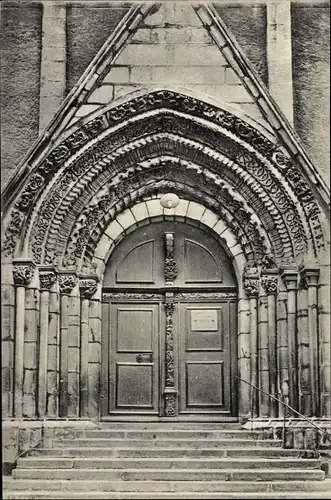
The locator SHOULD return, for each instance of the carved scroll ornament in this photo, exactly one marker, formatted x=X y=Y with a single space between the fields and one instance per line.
x=270 y=284
x=251 y=287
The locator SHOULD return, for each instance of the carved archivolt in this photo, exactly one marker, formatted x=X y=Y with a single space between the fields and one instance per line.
x=251 y=163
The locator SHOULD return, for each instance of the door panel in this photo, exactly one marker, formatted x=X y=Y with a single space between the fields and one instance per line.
x=134 y=357
x=204 y=358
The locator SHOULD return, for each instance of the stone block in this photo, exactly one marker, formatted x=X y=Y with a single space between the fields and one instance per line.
x=154 y=208
x=52 y=357
x=7 y=294
x=102 y=95
x=231 y=77
x=31 y=325
x=95 y=309
x=73 y=336
x=94 y=330
x=103 y=247
x=10 y=436
x=145 y=55
x=209 y=218
x=126 y=219
x=123 y=90
x=144 y=35
x=73 y=359
x=86 y=109
x=94 y=352
x=30 y=355
x=7 y=322
x=113 y=231
x=195 y=211
x=189 y=55
x=229 y=237
x=118 y=74
x=181 y=209
x=220 y=227
x=139 y=211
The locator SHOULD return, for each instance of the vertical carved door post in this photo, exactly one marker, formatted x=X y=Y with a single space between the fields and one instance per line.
x=310 y=275
x=47 y=278
x=252 y=284
x=170 y=393
x=290 y=277
x=67 y=282
x=87 y=287
x=23 y=272
x=270 y=284
x=170 y=274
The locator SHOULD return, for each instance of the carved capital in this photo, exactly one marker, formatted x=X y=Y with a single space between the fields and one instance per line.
x=66 y=283
x=290 y=277
x=23 y=272
x=46 y=279
x=270 y=284
x=310 y=274
x=88 y=287
x=252 y=287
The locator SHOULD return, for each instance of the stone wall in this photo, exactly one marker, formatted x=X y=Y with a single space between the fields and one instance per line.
x=89 y=25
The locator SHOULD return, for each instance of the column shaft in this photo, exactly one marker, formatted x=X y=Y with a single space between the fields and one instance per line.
x=84 y=346
x=292 y=347
x=254 y=353
x=43 y=353
x=272 y=352
x=313 y=347
x=263 y=356
x=63 y=386
x=19 y=351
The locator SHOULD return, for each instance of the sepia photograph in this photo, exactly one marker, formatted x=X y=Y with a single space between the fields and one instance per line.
x=165 y=249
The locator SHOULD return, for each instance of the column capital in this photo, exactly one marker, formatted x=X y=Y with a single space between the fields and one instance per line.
x=270 y=283
x=23 y=270
x=289 y=274
x=47 y=277
x=87 y=286
x=67 y=280
x=310 y=274
x=252 y=286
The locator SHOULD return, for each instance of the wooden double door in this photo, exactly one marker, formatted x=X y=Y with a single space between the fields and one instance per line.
x=169 y=326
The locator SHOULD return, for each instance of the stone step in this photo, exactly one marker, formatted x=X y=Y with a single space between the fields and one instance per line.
x=170 y=426
x=164 y=452
x=166 y=443
x=161 y=434
x=165 y=463
x=165 y=486
x=262 y=474
x=183 y=495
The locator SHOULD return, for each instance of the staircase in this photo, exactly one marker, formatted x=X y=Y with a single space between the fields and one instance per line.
x=166 y=461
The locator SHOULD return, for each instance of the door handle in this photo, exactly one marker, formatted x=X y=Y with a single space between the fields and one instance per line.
x=144 y=358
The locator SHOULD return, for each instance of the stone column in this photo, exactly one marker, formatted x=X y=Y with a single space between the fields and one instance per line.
x=311 y=276
x=67 y=282
x=23 y=271
x=282 y=349
x=304 y=386
x=270 y=284
x=87 y=287
x=47 y=278
x=290 y=278
x=53 y=61
x=279 y=55
x=252 y=284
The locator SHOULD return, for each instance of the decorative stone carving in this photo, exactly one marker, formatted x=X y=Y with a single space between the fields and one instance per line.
x=66 y=283
x=169 y=340
x=132 y=296
x=23 y=273
x=251 y=287
x=268 y=262
x=270 y=284
x=196 y=296
x=310 y=275
x=88 y=287
x=289 y=275
x=47 y=279
x=170 y=404
x=170 y=266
